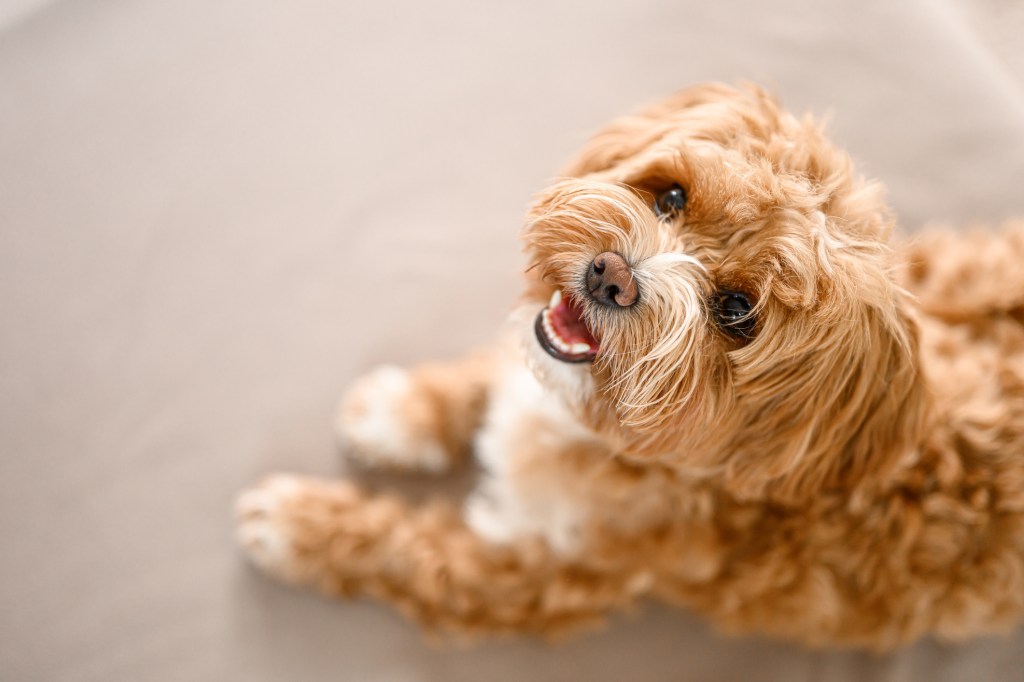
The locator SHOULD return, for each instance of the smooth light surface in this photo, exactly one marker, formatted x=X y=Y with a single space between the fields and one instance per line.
x=214 y=214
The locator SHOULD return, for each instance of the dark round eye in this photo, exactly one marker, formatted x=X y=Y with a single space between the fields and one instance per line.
x=670 y=202
x=733 y=312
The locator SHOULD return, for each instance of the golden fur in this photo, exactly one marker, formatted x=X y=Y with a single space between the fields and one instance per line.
x=854 y=475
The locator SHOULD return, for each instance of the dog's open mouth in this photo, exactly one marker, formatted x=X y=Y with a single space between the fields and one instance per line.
x=562 y=332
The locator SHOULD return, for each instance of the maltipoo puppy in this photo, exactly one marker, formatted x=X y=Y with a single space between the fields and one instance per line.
x=722 y=388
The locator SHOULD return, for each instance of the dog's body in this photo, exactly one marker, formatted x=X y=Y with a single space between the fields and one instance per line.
x=730 y=402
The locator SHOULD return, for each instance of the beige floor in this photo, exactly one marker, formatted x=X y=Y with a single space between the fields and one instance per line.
x=214 y=214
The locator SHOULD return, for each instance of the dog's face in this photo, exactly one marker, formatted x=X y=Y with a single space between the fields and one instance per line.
x=714 y=293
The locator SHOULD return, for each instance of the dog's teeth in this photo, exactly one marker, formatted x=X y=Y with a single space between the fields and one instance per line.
x=555 y=338
x=556 y=298
x=549 y=329
x=547 y=325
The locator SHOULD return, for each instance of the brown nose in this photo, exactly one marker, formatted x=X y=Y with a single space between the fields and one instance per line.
x=610 y=281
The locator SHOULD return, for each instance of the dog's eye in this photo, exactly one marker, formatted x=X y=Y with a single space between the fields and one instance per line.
x=669 y=203
x=733 y=312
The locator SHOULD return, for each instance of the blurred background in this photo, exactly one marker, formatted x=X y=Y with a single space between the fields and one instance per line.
x=215 y=213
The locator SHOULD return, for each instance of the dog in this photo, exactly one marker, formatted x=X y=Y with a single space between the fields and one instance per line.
x=722 y=388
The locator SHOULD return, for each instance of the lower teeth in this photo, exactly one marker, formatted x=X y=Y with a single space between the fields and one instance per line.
x=577 y=348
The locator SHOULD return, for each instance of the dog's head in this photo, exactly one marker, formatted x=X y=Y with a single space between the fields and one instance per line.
x=714 y=293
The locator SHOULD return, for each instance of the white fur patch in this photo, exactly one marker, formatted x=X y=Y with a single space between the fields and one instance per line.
x=370 y=427
x=527 y=420
x=265 y=541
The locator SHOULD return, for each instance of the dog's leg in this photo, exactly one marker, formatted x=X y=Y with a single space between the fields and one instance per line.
x=420 y=418
x=343 y=541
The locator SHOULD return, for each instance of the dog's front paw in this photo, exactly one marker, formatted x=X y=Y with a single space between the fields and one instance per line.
x=264 y=532
x=287 y=524
x=313 y=532
x=386 y=421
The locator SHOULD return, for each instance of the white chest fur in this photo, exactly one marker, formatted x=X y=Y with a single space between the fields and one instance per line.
x=521 y=492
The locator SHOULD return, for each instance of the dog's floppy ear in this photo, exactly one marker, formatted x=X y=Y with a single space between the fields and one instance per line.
x=628 y=135
x=851 y=428
x=871 y=437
